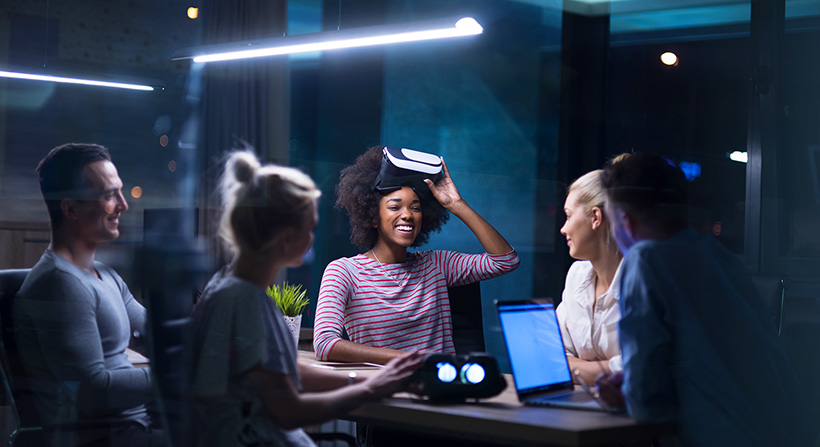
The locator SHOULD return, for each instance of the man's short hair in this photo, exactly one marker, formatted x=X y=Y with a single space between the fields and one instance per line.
x=650 y=189
x=61 y=174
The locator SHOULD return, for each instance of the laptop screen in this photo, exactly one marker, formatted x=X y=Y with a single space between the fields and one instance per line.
x=534 y=345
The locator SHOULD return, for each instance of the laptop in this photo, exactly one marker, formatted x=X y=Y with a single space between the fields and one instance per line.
x=536 y=351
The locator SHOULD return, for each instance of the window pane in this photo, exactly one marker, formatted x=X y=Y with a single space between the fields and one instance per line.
x=691 y=108
x=799 y=153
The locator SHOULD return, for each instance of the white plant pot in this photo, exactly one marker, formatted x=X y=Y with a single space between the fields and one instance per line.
x=295 y=325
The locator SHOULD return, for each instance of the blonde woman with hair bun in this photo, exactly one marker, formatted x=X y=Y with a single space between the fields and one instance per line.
x=248 y=388
x=589 y=312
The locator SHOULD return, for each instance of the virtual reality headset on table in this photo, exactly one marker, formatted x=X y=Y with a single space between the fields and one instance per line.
x=406 y=167
x=455 y=378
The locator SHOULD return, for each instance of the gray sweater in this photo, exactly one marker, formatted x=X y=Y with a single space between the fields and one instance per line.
x=72 y=332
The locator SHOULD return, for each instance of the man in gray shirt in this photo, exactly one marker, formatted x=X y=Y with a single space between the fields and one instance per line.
x=74 y=315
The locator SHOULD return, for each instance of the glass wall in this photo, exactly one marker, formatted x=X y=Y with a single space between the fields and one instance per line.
x=116 y=41
x=490 y=104
x=799 y=169
x=691 y=109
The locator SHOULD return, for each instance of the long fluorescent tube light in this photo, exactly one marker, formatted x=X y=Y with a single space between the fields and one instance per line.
x=334 y=40
x=66 y=80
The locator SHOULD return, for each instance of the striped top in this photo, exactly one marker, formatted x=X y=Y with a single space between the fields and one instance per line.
x=399 y=306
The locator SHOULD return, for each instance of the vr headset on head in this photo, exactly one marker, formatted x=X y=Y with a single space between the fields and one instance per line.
x=406 y=167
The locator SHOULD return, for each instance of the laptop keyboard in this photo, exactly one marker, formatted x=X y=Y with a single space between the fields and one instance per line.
x=566 y=397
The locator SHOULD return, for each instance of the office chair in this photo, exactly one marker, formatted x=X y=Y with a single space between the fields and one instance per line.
x=467 y=317
x=24 y=417
x=169 y=297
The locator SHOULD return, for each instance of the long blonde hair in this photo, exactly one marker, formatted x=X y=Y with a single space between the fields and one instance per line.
x=261 y=201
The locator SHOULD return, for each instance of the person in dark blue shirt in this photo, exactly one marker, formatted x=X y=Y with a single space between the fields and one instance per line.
x=698 y=346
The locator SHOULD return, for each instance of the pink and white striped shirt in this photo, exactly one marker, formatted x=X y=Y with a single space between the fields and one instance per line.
x=399 y=306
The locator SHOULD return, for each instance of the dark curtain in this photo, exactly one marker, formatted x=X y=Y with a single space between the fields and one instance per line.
x=243 y=102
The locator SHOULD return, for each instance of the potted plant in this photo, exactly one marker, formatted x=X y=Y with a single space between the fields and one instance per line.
x=291 y=300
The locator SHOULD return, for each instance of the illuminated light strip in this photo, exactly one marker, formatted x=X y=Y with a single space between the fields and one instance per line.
x=334 y=40
x=47 y=78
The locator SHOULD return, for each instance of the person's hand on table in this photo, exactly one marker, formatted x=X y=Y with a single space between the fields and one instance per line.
x=392 y=378
x=608 y=386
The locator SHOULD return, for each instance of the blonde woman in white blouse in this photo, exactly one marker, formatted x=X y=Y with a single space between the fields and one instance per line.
x=589 y=312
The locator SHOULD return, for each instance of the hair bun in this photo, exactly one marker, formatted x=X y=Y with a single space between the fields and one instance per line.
x=244 y=166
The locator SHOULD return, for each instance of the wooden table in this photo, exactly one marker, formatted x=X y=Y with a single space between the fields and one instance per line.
x=503 y=420
x=137 y=359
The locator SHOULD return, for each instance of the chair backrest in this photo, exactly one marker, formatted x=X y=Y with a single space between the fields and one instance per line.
x=23 y=410
x=169 y=278
x=468 y=319
x=10 y=283
x=169 y=350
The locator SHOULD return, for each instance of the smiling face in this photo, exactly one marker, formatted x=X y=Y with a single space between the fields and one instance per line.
x=580 y=229
x=96 y=215
x=399 y=218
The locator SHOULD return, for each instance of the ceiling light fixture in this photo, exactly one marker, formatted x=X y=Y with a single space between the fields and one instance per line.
x=669 y=58
x=11 y=73
x=67 y=80
x=334 y=40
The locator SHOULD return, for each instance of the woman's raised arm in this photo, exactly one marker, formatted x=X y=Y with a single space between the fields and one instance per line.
x=447 y=194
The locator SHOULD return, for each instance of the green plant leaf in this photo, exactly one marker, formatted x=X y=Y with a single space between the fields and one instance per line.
x=291 y=298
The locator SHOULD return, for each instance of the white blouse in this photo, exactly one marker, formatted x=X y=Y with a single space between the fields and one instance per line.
x=590 y=334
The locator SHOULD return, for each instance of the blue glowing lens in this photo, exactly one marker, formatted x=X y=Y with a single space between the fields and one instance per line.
x=473 y=373
x=446 y=372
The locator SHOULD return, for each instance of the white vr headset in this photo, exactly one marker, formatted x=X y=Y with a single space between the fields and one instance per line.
x=406 y=167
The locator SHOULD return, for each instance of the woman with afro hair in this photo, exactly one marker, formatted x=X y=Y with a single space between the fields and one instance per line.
x=390 y=300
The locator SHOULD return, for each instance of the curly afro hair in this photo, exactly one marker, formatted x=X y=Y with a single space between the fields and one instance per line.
x=356 y=196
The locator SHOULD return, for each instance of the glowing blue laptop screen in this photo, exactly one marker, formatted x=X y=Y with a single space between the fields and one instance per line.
x=534 y=345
